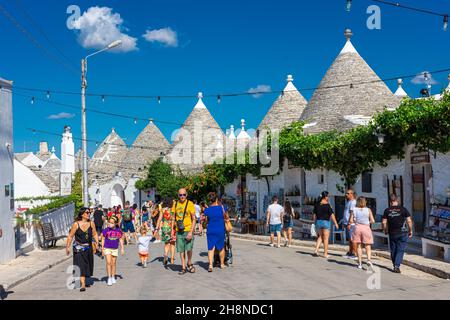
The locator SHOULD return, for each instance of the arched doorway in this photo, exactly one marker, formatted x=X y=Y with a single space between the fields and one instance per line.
x=117 y=195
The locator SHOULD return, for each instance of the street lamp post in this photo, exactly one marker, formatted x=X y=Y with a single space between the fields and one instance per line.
x=83 y=118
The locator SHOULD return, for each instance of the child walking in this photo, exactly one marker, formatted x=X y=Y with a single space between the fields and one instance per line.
x=143 y=244
x=112 y=236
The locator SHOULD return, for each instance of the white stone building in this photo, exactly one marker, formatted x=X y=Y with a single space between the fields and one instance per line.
x=7 y=240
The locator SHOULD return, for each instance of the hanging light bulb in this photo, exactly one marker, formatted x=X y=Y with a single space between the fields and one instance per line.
x=349 y=5
x=34 y=131
x=32 y=100
x=135 y=121
x=445 y=22
x=103 y=99
x=48 y=94
x=96 y=144
x=159 y=100
x=219 y=99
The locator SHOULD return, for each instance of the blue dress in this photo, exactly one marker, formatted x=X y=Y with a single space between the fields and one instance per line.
x=216 y=228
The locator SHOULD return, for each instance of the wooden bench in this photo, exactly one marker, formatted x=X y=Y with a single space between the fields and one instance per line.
x=430 y=249
x=48 y=235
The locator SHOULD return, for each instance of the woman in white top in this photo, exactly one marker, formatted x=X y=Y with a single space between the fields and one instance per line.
x=363 y=218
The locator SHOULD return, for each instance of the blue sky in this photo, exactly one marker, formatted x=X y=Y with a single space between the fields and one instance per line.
x=220 y=47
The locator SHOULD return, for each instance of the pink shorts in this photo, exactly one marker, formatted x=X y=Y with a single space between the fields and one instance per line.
x=362 y=234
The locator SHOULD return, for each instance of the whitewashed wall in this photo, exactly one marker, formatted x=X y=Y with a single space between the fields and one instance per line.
x=104 y=197
x=27 y=184
x=441 y=174
x=379 y=189
x=7 y=242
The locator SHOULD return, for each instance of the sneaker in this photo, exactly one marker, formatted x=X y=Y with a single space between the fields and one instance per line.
x=145 y=264
x=360 y=266
x=271 y=245
x=113 y=280
x=288 y=245
x=397 y=270
x=277 y=245
x=110 y=283
x=157 y=241
x=353 y=257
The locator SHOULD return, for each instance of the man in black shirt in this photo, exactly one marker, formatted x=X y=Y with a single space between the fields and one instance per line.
x=397 y=223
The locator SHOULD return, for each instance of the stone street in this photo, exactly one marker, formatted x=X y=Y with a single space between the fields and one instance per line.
x=258 y=272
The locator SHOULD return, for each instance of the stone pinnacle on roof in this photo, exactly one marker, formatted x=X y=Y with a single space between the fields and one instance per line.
x=232 y=135
x=400 y=91
x=286 y=109
x=200 y=104
x=243 y=135
x=349 y=88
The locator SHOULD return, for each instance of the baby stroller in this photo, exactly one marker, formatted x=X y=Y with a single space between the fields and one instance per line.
x=228 y=253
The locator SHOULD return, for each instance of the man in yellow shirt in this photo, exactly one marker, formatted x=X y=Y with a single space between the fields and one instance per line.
x=185 y=224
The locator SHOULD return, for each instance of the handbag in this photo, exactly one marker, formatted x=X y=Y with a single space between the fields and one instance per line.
x=180 y=223
x=228 y=225
x=313 y=230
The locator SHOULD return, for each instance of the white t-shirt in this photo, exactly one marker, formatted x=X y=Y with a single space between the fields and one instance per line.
x=362 y=216
x=275 y=211
x=349 y=206
x=144 y=243
x=197 y=211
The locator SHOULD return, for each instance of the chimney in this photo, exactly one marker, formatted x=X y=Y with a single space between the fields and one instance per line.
x=43 y=147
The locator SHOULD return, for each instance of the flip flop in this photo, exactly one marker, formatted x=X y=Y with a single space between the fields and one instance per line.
x=191 y=268
x=182 y=272
x=210 y=269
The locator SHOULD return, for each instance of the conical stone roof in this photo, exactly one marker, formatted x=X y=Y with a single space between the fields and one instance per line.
x=108 y=159
x=197 y=141
x=286 y=109
x=148 y=147
x=341 y=93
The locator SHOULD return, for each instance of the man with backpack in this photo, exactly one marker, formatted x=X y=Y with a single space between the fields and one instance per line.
x=127 y=222
x=185 y=225
x=397 y=223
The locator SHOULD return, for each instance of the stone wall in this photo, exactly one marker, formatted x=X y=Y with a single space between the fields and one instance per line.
x=7 y=242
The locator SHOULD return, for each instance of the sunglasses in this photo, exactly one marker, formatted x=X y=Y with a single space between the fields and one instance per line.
x=182 y=195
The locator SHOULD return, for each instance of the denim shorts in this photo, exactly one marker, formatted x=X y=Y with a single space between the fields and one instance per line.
x=275 y=228
x=323 y=224
x=288 y=225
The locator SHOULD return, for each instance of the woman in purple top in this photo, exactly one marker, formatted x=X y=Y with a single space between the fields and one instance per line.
x=112 y=236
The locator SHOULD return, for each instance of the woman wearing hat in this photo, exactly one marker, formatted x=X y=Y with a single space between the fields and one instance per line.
x=84 y=232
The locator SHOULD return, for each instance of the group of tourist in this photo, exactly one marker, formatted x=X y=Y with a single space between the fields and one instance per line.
x=105 y=233
x=174 y=223
x=357 y=221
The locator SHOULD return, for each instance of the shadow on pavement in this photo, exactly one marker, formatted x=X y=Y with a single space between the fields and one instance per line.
x=3 y=293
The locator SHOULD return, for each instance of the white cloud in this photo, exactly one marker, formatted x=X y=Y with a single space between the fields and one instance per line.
x=62 y=115
x=99 y=26
x=262 y=88
x=166 y=36
x=420 y=78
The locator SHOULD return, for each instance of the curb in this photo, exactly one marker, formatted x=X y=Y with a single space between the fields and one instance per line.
x=424 y=268
x=7 y=286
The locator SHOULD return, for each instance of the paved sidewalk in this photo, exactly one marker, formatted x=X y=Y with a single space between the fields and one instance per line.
x=29 y=265
x=437 y=268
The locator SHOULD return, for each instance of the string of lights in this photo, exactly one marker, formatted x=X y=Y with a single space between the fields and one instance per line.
x=123 y=116
x=401 y=6
x=219 y=97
